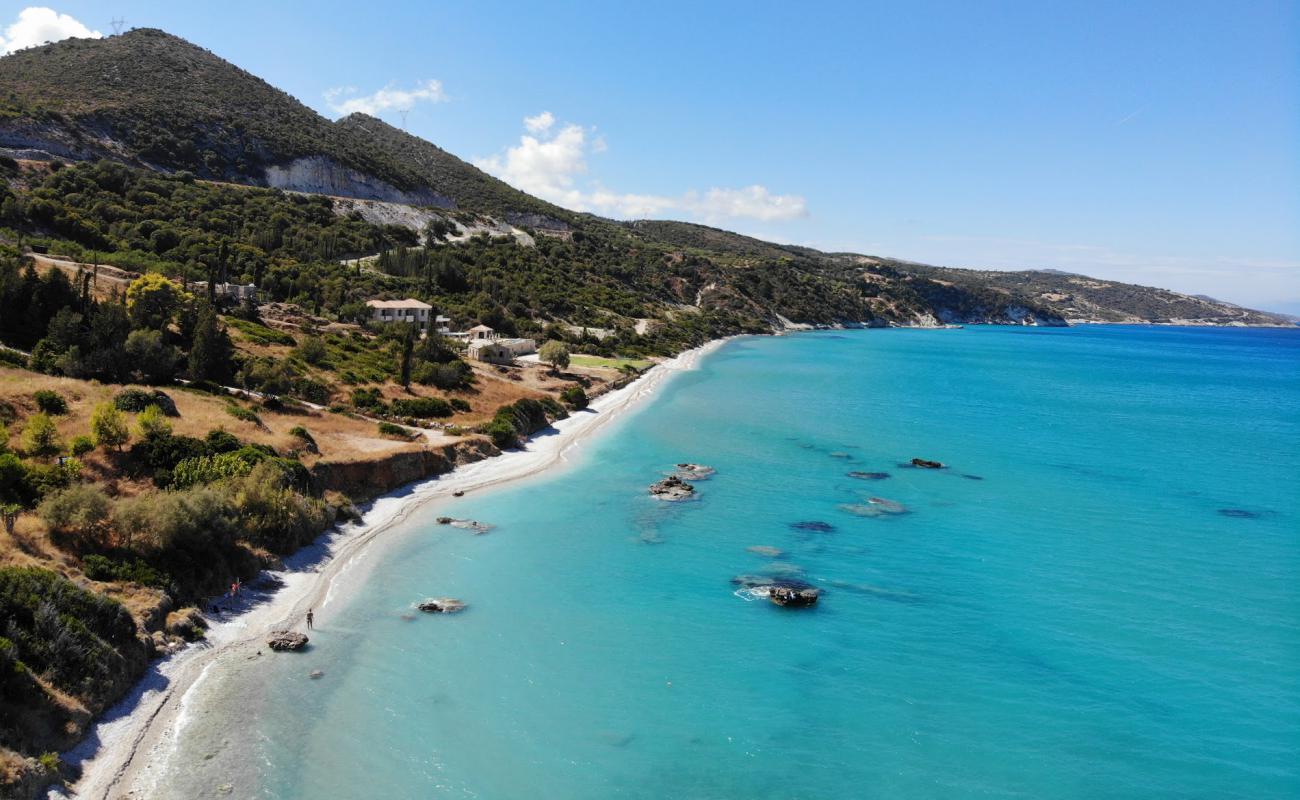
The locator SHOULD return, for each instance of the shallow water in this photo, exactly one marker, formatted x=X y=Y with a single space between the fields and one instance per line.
x=1099 y=597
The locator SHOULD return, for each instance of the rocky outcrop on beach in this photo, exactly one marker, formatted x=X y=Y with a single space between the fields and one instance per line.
x=441 y=605
x=672 y=488
x=282 y=641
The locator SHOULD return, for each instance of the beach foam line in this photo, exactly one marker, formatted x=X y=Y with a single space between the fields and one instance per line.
x=139 y=734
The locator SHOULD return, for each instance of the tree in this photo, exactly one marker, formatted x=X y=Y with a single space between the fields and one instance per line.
x=108 y=426
x=152 y=424
x=556 y=354
x=81 y=509
x=153 y=300
x=152 y=359
x=41 y=437
x=408 y=347
x=211 y=353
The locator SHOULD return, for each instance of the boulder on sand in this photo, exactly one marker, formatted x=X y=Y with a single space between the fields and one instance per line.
x=441 y=605
x=286 y=640
x=672 y=488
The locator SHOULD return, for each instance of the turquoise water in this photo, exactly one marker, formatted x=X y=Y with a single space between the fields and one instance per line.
x=1083 y=620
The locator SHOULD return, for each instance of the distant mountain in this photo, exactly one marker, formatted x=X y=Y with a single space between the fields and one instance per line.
x=152 y=100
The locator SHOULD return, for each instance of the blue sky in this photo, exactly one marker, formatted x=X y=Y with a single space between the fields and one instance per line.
x=1157 y=143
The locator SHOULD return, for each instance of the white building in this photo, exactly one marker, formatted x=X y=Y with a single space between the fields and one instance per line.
x=408 y=310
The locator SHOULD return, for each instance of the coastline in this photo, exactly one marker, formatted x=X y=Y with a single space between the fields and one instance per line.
x=141 y=730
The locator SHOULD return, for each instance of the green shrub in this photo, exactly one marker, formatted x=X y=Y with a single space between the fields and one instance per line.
x=312 y=350
x=389 y=429
x=459 y=404
x=151 y=423
x=207 y=469
x=575 y=397
x=108 y=426
x=51 y=403
x=79 y=509
x=101 y=568
x=219 y=441
x=40 y=437
x=71 y=637
x=137 y=400
x=367 y=398
x=502 y=433
x=243 y=414
x=80 y=445
x=421 y=407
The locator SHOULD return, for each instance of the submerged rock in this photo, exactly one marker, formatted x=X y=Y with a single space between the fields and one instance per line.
x=1240 y=513
x=672 y=488
x=921 y=463
x=466 y=524
x=868 y=476
x=441 y=605
x=862 y=509
x=972 y=477
x=887 y=506
x=841 y=454
x=286 y=640
x=813 y=525
x=694 y=472
x=766 y=550
x=316 y=674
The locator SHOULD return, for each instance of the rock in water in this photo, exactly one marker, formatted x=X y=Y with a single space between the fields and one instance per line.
x=887 y=506
x=441 y=605
x=286 y=640
x=814 y=525
x=766 y=550
x=868 y=476
x=672 y=488
x=922 y=463
x=694 y=472
x=788 y=597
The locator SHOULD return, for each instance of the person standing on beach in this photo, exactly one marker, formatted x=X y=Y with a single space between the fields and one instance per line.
x=310 y=618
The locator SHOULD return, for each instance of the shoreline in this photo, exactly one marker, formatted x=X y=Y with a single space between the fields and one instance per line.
x=141 y=729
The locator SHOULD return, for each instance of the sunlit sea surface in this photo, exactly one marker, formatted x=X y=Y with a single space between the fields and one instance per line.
x=1098 y=598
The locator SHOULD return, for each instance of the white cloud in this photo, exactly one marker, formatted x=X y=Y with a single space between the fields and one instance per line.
x=344 y=100
x=38 y=25
x=541 y=122
x=550 y=164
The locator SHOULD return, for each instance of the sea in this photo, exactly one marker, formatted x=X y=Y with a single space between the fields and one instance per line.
x=1098 y=595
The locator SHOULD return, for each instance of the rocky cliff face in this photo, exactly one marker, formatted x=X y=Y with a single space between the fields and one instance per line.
x=364 y=479
x=322 y=175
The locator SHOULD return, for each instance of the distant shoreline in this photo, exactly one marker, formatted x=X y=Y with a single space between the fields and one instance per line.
x=141 y=730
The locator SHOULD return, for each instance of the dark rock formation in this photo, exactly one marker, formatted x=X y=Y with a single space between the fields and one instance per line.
x=813 y=525
x=286 y=640
x=921 y=463
x=788 y=597
x=441 y=605
x=672 y=488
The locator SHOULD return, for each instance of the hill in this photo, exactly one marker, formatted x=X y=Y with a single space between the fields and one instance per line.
x=154 y=101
